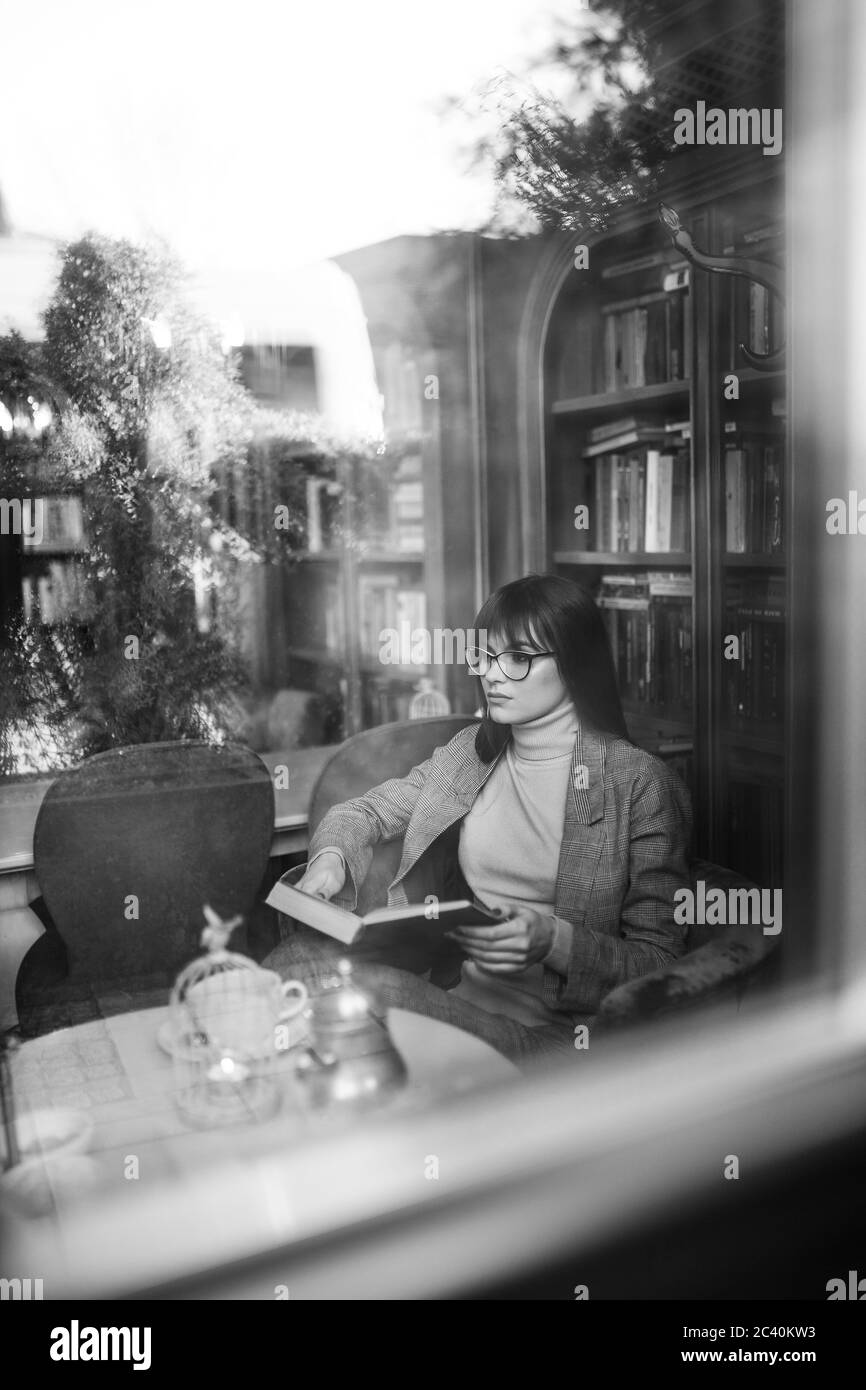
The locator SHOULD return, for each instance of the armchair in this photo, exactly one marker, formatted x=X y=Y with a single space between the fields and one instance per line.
x=718 y=960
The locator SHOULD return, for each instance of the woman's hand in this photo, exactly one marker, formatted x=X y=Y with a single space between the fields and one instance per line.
x=508 y=946
x=325 y=876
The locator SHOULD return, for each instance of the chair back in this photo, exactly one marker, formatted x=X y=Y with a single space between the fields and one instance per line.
x=365 y=760
x=129 y=846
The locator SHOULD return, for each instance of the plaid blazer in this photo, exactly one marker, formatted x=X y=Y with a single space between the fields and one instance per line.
x=626 y=834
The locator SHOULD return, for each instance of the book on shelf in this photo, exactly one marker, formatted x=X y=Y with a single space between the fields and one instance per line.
x=659 y=500
x=743 y=427
x=348 y=927
x=59 y=593
x=643 y=434
x=334 y=626
x=408 y=516
x=624 y=425
x=648 y=618
x=644 y=340
x=411 y=610
x=642 y=502
x=323 y=507
x=647 y=583
x=756 y=817
x=677 y=278
x=679 y=427
x=753 y=472
x=387 y=698
x=755 y=610
x=377 y=595
x=386 y=604
x=59 y=520
x=757 y=315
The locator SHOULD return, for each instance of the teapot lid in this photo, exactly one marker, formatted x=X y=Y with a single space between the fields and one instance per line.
x=342 y=1000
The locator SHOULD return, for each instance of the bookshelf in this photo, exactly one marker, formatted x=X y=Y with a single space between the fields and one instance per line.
x=53 y=585
x=364 y=570
x=667 y=497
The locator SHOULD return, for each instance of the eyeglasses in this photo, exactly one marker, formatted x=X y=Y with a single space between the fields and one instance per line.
x=515 y=666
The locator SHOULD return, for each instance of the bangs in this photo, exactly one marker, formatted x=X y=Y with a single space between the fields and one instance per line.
x=516 y=617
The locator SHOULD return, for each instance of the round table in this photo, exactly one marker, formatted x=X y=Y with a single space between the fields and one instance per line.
x=154 y=1200
x=116 y=1074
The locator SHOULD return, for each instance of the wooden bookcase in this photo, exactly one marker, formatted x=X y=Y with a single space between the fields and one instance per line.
x=40 y=564
x=366 y=571
x=368 y=552
x=699 y=627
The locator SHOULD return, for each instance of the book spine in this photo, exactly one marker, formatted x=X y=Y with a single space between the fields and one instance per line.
x=624 y=505
x=640 y=346
x=610 y=354
x=598 y=509
x=652 y=498
x=675 y=337
x=613 y=539
x=627 y=322
x=665 y=501
x=314 y=516
x=635 y=512
x=734 y=470
x=679 y=505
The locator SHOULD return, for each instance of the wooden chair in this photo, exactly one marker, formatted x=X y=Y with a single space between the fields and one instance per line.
x=718 y=960
x=127 y=848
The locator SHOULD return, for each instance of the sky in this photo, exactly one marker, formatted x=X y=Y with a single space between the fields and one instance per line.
x=279 y=132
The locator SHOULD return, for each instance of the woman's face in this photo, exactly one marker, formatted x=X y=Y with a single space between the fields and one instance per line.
x=518 y=701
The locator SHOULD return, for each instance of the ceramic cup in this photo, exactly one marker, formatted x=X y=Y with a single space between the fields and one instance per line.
x=248 y=1013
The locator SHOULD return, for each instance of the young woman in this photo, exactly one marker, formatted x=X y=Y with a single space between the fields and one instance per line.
x=544 y=809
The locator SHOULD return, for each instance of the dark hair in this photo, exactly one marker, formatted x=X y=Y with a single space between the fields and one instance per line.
x=550 y=613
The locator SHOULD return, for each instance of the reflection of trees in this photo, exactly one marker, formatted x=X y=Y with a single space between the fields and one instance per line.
x=582 y=138
x=150 y=424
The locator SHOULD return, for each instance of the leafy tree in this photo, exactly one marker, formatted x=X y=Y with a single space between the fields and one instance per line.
x=567 y=155
x=152 y=428
x=36 y=676
x=151 y=404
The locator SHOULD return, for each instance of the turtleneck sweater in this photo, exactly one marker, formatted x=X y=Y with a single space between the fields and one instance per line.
x=509 y=854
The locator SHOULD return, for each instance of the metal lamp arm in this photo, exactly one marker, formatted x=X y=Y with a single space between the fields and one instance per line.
x=760 y=272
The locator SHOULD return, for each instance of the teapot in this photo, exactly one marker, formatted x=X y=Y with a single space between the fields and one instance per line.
x=352 y=1059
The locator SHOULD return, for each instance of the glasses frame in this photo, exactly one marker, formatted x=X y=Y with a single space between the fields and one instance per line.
x=494 y=656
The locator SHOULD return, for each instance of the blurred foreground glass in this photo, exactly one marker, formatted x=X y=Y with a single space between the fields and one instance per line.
x=228 y=1022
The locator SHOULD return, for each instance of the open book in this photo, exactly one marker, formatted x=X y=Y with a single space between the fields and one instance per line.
x=348 y=927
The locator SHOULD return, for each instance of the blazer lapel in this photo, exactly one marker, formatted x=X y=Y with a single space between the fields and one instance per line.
x=435 y=813
x=584 y=829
